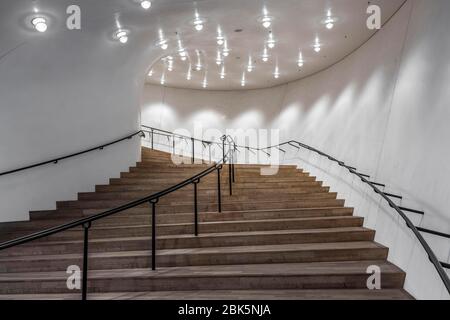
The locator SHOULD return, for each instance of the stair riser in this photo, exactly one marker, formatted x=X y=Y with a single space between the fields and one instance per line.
x=211 y=207
x=194 y=170
x=142 y=231
x=202 y=242
x=179 y=260
x=240 y=188
x=139 y=217
x=202 y=196
x=351 y=281
x=171 y=165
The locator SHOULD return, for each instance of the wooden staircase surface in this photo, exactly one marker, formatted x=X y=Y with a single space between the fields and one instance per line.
x=284 y=236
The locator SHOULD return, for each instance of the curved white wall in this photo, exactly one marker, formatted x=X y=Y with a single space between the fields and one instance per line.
x=383 y=109
x=61 y=92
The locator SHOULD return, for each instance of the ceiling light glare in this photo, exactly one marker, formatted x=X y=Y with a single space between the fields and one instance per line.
x=265 y=55
x=276 y=74
x=243 y=80
x=163 y=44
x=40 y=24
x=226 y=50
x=317 y=45
x=300 y=61
x=250 y=65
x=329 y=21
x=266 y=22
x=150 y=73
x=145 y=4
x=198 y=24
x=163 y=80
x=219 y=58
x=198 y=67
x=204 y=84
x=122 y=36
x=220 y=40
x=330 y=25
x=189 y=74
x=271 y=41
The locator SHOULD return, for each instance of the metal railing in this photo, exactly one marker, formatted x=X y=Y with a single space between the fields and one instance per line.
x=57 y=160
x=152 y=200
x=228 y=157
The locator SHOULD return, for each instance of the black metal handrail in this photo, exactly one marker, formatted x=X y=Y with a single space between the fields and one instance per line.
x=153 y=199
x=374 y=185
x=439 y=266
x=56 y=160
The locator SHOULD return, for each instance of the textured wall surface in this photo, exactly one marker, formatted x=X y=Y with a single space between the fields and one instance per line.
x=383 y=109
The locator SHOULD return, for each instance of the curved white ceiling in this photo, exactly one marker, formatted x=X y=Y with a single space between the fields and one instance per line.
x=295 y=27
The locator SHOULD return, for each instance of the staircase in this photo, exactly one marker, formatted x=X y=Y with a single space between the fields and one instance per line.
x=279 y=237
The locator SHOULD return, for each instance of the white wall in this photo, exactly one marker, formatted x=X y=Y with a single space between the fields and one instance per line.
x=61 y=92
x=384 y=109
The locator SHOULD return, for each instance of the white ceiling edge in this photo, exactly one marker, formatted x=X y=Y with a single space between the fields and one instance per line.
x=267 y=80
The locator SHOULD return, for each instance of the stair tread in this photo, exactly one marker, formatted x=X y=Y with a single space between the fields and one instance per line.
x=226 y=222
x=270 y=269
x=211 y=250
x=206 y=235
x=312 y=294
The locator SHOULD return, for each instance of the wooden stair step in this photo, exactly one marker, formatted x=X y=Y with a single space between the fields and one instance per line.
x=287 y=253
x=344 y=234
x=272 y=276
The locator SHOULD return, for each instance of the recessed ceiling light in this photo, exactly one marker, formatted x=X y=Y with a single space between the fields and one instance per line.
x=265 y=55
x=189 y=74
x=329 y=21
x=162 y=40
x=276 y=74
x=300 y=61
x=250 y=64
x=317 y=45
x=122 y=36
x=266 y=21
x=39 y=23
x=145 y=4
x=226 y=50
x=271 y=41
x=198 y=22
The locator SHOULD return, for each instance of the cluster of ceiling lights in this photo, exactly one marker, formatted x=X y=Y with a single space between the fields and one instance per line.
x=223 y=50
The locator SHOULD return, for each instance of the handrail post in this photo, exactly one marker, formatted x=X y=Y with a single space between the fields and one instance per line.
x=219 y=196
x=195 y=208
x=230 y=178
x=193 y=150
x=233 y=159
x=209 y=152
x=86 y=228
x=152 y=137
x=173 y=144
x=153 y=203
x=223 y=149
